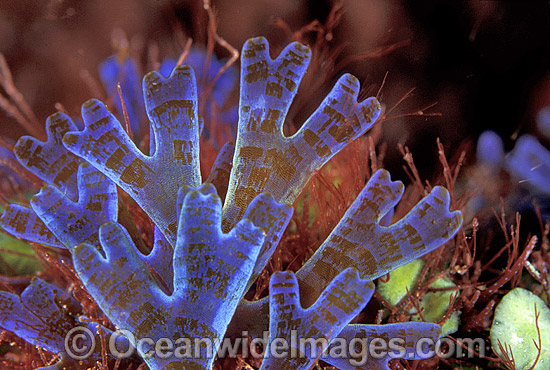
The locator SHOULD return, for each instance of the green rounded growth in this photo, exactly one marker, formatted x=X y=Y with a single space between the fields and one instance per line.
x=434 y=304
x=515 y=328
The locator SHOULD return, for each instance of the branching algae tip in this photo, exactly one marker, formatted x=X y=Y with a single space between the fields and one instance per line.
x=208 y=252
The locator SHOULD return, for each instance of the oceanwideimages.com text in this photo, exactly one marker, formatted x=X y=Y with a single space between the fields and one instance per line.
x=80 y=343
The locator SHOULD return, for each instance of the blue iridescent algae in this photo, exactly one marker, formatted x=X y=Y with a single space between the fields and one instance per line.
x=76 y=222
x=490 y=150
x=205 y=255
x=56 y=166
x=23 y=223
x=528 y=165
x=50 y=160
x=359 y=241
x=44 y=315
x=212 y=97
x=529 y=162
x=267 y=161
x=212 y=105
x=337 y=305
x=210 y=272
x=153 y=181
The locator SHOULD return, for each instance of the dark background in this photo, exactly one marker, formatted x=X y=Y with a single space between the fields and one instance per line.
x=486 y=63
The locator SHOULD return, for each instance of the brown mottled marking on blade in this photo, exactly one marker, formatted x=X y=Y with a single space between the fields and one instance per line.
x=269 y=125
x=311 y=137
x=252 y=48
x=115 y=160
x=19 y=222
x=148 y=318
x=347 y=89
x=250 y=153
x=274 y=89
x=34 y=157
x=135 y=174
x=256 y=72
x=66 y=172
x=172 y=105
x=182 y=151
